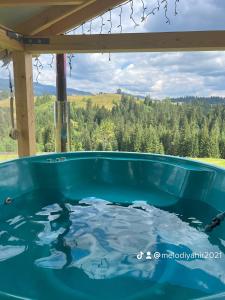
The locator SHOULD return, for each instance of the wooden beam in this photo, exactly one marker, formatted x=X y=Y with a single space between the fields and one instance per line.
x=8 y=43
x=133 y=42
x=94 y=9
x=11 y=3
x=6 y=28
x=22 y=63
x=44 y=19
x=47 y=18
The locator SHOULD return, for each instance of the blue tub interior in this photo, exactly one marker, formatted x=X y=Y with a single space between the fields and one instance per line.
x=77 y=222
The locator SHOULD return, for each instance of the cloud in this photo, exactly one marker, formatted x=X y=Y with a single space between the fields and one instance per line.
x=161 y=75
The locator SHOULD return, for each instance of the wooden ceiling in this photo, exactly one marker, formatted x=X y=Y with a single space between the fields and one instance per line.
x=50 y=17
x=41 y=24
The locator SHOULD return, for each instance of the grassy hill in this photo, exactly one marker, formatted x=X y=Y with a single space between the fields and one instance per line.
x=106 y=100
x=134 y=125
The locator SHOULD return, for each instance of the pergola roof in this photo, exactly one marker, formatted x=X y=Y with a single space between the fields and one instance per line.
x=36 y=26
x=13 y=16
x=50 y=17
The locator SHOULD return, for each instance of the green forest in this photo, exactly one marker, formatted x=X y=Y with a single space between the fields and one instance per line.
x=188 y=129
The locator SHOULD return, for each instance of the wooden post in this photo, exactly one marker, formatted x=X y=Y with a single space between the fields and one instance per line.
x=22 y=63
x=62 y=121
x=61 y=84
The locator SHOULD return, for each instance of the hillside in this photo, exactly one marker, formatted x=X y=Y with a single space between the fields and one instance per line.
x=106 y=100
x=122 y=123
x=191 y=99
x=40 y=89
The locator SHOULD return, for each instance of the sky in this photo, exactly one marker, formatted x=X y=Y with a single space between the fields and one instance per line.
x=157 y=74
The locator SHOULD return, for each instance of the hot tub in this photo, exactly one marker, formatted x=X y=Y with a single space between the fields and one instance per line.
x=105 y=225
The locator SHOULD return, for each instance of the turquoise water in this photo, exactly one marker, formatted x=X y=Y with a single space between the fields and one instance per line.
x=87 y=249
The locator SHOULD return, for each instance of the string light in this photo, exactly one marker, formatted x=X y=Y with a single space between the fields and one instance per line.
x=165 y=2
x=145 y=14
x=52 y=61
x=132 y=14
x=144 y=8
x=110 y=22
x=158 y=4
x=90 y=27
x=120 y=18
x=176 y=4
x=39 y=67
x=82 y=27
x=70 y=62
x=102 y=24
x=154 y=9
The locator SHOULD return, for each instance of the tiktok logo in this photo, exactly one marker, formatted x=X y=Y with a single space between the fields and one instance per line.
x=140 y=255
